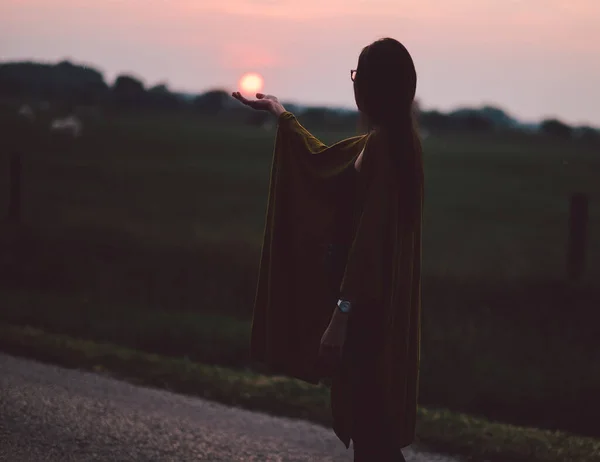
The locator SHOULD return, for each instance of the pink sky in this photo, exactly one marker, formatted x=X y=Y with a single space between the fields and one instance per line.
x=534 y=58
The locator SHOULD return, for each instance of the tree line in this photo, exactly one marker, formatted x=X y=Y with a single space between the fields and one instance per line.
x=70 y=85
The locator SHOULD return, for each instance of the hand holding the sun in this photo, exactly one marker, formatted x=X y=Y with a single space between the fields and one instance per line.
x=261 y=103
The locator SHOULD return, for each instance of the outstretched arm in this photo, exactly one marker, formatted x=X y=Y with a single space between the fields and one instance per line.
x=271 y=104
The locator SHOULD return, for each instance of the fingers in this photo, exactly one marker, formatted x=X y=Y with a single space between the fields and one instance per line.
x=242 y=99
x=237 y=95
x=263 y=96
x=258 y=104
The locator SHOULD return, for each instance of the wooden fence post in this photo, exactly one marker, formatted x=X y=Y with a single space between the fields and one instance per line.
x=578 y=223
x=15 y=183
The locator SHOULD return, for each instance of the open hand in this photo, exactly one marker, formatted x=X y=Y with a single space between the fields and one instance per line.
x=262 y=102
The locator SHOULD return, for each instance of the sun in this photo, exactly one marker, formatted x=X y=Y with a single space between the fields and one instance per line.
x=251 y=83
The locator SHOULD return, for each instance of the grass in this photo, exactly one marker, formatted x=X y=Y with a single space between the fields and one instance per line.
x=146 y=233
x=503 y=203
x=446 y=431
x=209 y=338
x=513 y=368
x=496 y=207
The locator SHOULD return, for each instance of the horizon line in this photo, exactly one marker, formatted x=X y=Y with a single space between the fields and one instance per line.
x=426 y=107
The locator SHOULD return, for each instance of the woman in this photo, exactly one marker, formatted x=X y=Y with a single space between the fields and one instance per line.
x=344 y=225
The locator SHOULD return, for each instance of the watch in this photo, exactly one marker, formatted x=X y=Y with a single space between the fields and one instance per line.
x=345 y=306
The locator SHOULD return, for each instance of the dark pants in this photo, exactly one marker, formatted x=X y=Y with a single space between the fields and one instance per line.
x=371 y=436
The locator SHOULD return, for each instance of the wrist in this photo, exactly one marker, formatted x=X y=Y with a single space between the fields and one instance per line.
x=277 y=110
x=339 y=317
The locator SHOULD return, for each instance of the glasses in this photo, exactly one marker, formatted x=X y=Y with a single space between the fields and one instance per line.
x=353 y=74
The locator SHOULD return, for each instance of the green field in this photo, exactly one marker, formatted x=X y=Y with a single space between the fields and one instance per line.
x=161 y=219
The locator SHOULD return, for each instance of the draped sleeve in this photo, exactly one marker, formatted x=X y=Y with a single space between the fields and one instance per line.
x=293 y=303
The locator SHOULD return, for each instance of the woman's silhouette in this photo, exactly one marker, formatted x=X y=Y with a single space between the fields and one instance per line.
x=369 y=345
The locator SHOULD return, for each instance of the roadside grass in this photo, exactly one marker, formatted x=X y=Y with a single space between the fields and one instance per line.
x=517 y=367
x=475 y=438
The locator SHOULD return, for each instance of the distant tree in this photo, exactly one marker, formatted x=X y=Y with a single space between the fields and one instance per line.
x=471 y=120
x=128 y=91
x=315 y=116
x=588 y=134
x=292 y=107
x=476 y=122
x=556 y=128
x=498 y=117
x=435 y=121
x=212 y=102
x=159 y=89
x=65 y=81
x=92 y=93
x=160 y=97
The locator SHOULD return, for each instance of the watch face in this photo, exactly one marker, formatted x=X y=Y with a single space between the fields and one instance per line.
x=344 y=307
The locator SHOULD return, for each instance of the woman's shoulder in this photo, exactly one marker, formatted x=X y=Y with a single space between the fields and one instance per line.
x=374 y=142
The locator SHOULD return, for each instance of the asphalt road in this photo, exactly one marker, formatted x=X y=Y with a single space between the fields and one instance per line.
x=48 y=413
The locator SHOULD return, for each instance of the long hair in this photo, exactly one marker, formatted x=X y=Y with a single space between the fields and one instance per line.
x=385 y=86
